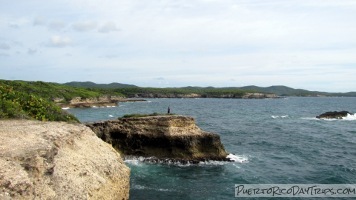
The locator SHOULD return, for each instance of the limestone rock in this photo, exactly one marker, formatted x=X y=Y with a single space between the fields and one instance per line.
x=164 y=137
x=57 y=160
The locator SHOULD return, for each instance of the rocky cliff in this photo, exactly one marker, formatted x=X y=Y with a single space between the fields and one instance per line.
x=79 y=102
x=170 y=137
x=57 y=160
x=103 y=101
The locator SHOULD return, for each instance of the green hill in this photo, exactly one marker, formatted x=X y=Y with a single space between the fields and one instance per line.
x=89 y=84
x=284 y=91
x=34 y=99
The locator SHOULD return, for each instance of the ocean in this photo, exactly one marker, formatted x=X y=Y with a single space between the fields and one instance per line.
x=275 y=141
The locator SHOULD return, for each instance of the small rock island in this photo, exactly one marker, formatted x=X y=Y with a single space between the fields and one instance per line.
x=164 y=137
x=333 y=115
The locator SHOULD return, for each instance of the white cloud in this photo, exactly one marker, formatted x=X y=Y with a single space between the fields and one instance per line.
x=60 y=41
x=4 y=46
x=31 y=51
x=200 y=42
x=108 y=27
x=84 y=26
x=56 y=25
x=39 y=21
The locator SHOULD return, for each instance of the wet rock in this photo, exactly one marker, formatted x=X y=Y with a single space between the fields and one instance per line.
x=333 y=115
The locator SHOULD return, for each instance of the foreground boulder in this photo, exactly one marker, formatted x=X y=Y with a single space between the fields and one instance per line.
x=333 y=115
x=56 y=160
x=166 y=137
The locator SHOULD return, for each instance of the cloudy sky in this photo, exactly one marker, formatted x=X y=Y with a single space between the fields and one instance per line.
x=309 y=44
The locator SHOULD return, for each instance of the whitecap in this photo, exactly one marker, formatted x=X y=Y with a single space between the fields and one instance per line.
x=310 y=118
x=212 y=162
x=237 y=158
x=277 y=116
x=133 y=160
x=94 y=106
x=111 y=116
x=350 y=117
x=141 y=187
x=65 y=108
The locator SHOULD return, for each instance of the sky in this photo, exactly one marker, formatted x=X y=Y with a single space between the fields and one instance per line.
x=308 y=44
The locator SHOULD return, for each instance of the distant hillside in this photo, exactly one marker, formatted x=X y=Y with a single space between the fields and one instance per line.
x=281 y=90
x=89 y=84
x=285 y=91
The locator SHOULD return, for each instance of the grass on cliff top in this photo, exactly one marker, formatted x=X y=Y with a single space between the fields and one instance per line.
x=22 y=105
x=135 y=115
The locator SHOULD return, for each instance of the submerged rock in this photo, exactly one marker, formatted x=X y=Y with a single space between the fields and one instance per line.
x=56 y=160
x=166 y=137
x=333 y=115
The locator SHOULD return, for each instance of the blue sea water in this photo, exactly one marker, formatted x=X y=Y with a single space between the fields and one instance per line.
x=277 y=141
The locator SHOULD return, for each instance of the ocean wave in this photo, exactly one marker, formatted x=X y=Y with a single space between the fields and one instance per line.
x=65 y=108
x=238 y=158
x=279 y=116
x=141 y=187
x=138 y=160
x=350 y=117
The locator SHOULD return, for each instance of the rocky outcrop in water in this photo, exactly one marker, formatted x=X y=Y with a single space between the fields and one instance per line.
x=169 y=137
x=56 y=160
x=333 y=115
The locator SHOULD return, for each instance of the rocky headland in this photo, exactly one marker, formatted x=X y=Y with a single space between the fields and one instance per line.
x=165 y=137
x=57 y=160
x=103 y=101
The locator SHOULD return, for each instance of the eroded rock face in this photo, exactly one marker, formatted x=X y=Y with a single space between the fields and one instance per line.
x=164 y=137
x=56 y=160
x=333 y=115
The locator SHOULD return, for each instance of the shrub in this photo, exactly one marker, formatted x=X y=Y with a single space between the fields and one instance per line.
x=20 y=105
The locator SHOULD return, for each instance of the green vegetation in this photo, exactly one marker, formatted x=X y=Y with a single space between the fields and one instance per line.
x=51 y=91
x=208 y=92
x=89 y=84
x=21 y=105
x=144 y=115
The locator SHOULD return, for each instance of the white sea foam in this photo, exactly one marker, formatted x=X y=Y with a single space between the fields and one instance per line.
x=279 y=116
x=237 y=158
x=350 y=117
x=141 y=187
x=135 y=160
x=66 y=108
x=111 y=116
x=212 y=162
x=309 y=118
